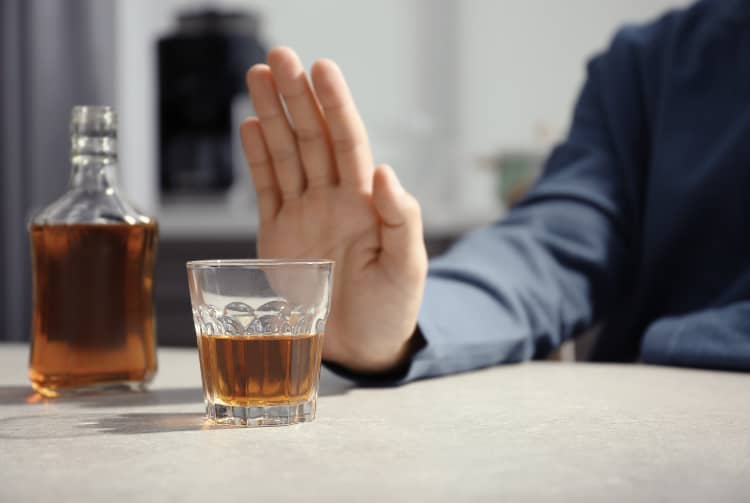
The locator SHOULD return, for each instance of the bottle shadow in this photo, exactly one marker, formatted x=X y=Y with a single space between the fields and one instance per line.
x=139 y=423
x=15 y=395
x=151 y=397
x=74 y=425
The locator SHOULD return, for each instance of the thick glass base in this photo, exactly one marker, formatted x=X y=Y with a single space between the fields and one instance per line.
x=261 y=415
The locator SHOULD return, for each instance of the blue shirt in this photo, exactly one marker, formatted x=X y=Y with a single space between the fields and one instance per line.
x=640 y=222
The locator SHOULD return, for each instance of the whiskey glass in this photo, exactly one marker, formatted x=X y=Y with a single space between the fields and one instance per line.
x=260 y=325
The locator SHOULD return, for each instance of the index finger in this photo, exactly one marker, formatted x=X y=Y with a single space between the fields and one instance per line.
x=348 y=134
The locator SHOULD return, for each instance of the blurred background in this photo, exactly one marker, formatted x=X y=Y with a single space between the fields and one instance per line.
x=462 y=98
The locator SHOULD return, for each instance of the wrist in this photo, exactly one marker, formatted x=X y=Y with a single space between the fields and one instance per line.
x=388 y=365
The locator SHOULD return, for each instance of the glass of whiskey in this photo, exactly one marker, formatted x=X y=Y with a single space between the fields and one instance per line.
x=260 y=325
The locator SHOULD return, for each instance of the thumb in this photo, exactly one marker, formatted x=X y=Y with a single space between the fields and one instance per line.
x=401 y=236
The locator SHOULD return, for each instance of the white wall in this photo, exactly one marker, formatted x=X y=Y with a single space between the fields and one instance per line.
x=372 y=41
x=440 y=83
x=523 y=62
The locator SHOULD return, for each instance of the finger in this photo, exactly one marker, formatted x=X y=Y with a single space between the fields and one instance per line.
x=261 y=170
x=277 y=132
x=401 y=235
x=306 y=116
x=348 y=135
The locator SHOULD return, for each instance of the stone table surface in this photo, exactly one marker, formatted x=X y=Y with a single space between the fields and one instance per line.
x=528 y=432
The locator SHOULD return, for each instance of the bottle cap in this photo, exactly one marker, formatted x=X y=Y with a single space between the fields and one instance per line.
x=93 y=120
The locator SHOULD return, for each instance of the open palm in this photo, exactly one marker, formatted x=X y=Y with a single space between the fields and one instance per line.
x=321 y=196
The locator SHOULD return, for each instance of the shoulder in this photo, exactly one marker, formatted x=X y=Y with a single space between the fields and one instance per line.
x=674 y=32
x=642 y=59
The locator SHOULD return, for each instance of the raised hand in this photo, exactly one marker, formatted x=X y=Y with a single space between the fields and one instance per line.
x=321 y=196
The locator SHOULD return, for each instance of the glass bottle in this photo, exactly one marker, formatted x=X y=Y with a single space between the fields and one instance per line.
x=92 y=260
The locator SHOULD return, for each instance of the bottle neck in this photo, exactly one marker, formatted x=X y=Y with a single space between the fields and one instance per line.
x=93 y=173
x=93 y=154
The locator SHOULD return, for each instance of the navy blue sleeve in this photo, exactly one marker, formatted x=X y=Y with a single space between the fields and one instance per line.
x=556 y=263
x=713 y=338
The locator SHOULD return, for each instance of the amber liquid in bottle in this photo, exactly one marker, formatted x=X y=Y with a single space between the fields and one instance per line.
x=93 y=321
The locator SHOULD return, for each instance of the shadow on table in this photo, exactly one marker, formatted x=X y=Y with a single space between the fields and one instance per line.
x=14 y=395
x=51 y=425
x=331 y=385
x=162 y=396
x=177 y=396
x=147 y=422
x=156 y=422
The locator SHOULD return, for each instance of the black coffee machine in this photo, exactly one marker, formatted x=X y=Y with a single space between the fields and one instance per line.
x=201 y=71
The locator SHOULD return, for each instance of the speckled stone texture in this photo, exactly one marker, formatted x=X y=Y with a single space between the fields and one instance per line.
x=530 y=432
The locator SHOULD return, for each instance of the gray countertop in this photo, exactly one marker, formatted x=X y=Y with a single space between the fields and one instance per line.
x=530 y=432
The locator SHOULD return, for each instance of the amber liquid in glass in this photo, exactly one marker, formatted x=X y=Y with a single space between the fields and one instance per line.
x=244 y=370
x=93 y=322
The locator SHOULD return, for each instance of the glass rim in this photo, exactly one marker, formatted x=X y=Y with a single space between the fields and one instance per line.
x=254 y=263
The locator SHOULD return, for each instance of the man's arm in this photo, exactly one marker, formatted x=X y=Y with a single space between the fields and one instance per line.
x=559 y=261
x=713 y=338
x=503 y=293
